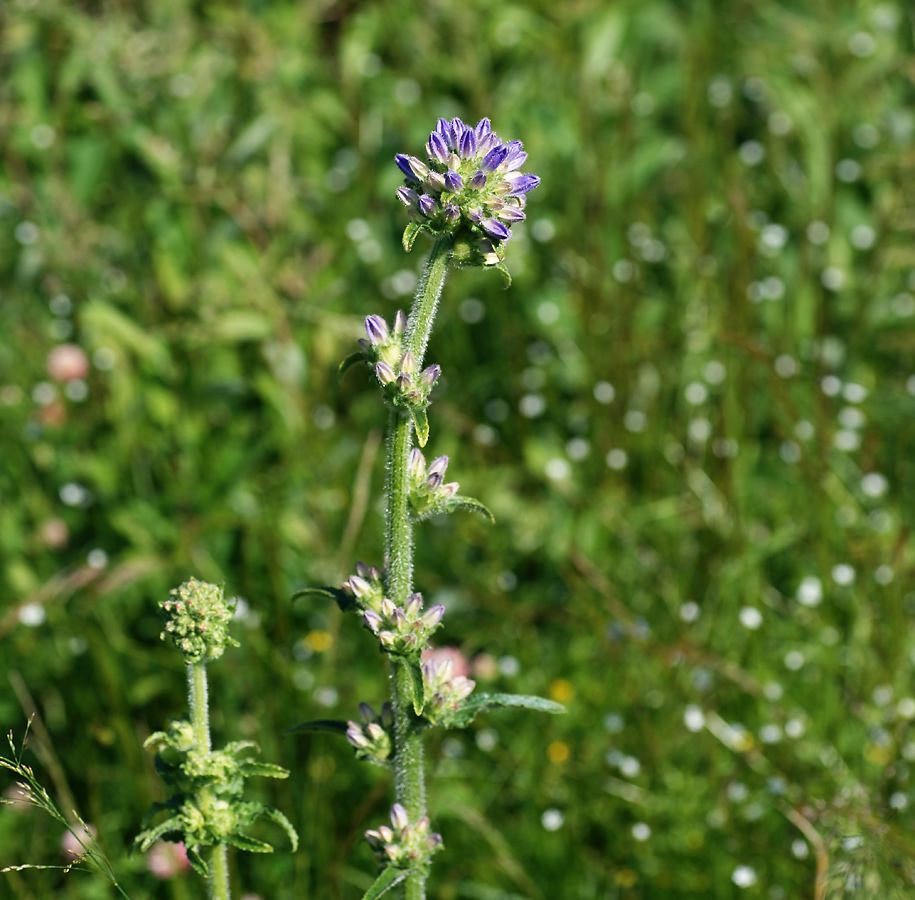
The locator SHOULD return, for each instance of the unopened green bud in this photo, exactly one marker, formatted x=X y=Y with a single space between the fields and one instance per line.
x=197 y=618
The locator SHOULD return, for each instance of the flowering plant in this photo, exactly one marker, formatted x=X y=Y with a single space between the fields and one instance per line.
x=467 y=197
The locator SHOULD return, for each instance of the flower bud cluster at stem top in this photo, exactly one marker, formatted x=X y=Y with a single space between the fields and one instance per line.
x=396 y=368
x=471 y=186
x=404 y=845
x=197 y=618
x=444 y=690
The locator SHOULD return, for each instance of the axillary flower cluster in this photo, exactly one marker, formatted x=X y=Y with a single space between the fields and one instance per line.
x=471 y=187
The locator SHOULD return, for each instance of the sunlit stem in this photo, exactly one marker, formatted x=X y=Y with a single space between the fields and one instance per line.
x=409 y=777
x=218 y=878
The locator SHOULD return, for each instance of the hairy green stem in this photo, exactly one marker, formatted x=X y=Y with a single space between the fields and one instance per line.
x=218 y=878
x=409 y=777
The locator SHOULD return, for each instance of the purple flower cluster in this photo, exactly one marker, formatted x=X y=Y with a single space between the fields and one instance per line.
x=403 y=630
x=394 y=368
x=444 y=690
x=472 y=181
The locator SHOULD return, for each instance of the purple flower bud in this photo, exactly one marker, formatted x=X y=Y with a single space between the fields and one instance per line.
x=433 y=616
x=434 y=481
x=399 y=817
x=437 y=148
x=417 y=463
x=403 y=163
x=495 y=229
x=443 y=127
x=427 y=206
x=400 y=322
x=413 y=605
x=467 y=146
x=387 y=638
x=362 y=569
x=434 y=841
x=475 y=214
x=453 y=181
x=436 y=181
x=438 y=466
x=384 y=372
x=399 y=619
x=359 y=586
x=452 y=213
x=355 y=736
x=450 y=489
x=487 y=142
x=372 y=620
x=511 y=214
x=407 y=196
x=387 y=607
x=430 y=375
x=493 y=159
x=418 y=167
x=461 y=687
x=408 y=362
x=515 y=158
x=457 y=129
x=483 y=127
x=367 y=713
x=377 y=329
x=521 y=183
x=403 y=382
x=478 y=181
x=373 y=837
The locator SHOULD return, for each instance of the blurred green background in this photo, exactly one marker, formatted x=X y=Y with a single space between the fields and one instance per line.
x=692 y=415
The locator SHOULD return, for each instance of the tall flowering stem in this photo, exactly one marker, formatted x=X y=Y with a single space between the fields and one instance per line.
x=466 y=197
x=409 y=775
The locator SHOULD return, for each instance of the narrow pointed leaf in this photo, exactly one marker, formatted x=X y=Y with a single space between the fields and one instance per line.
x=198 y=863
x=506 y=276
x=267 y=770
x=421 y=423
x=416 y=673
x=285 y=824
x=340 y=597
x=349 y=362
x=409 y=235
x=477 y=703
x=243 y=842
x=473 y=505
x=389 y=878
x=334 y=725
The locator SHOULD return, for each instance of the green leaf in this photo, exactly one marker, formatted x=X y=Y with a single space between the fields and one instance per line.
x=342 y=599
x=198 y=863
x=334 y=725
x=409 y=235
x=473 y=505
x=477 y=703
x=389 y=878
x=243 y=842
x=421 y=423
x=506 y=276
x=350 y=361
x=285 y=824
x=267 y=770
x=416 y=673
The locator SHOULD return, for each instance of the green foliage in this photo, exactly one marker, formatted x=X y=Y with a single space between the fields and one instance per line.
x=664 y=413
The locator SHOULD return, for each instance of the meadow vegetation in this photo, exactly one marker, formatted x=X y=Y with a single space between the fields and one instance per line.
x=692 y=416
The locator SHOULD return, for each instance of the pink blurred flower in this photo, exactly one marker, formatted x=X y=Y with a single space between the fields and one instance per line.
x=67 y=362
x=71 y=847
x=440 y=654
x=54 y=533
x=166 y=859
